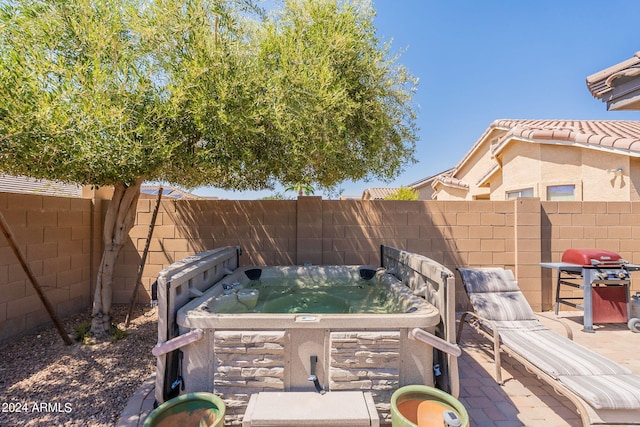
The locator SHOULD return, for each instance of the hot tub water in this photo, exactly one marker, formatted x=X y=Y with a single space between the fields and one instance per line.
x=293 y=295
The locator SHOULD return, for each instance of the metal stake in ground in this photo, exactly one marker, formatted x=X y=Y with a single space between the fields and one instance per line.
x=47 y=305
x=144 y=258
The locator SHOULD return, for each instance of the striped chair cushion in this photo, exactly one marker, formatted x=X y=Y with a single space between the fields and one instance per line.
x=478 y=280
x=557 y=355
x=606 y=391
x=502 y=306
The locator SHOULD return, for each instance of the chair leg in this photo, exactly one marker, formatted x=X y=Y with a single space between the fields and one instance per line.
x=557 y=305
x=496 y=346
x=496 y=357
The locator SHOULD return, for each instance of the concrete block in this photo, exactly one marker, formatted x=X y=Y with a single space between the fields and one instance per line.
x=41 y=218
x=12 y=327
x=480 y=232
x=20 y=307
x=42 y=251
x=618 y=207
x=470 y=219
x=69 y=277
x=82 y=232
x=492 y=219
x=13 y=291
x=57 y=264
x=395 y=218
x=4 y=274
x=618 y=232
x=25 y=202
x=355 y=258
x=607 y=220
x=27 y=235
x=570 y=207
x=583 y=220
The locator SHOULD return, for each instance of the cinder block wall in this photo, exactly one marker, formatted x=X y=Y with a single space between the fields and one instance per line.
x=312 y=230
x=61 y=238
x=54 y=234
x=517 y=235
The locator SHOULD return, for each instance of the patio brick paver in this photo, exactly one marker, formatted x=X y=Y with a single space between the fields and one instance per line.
x=522 y=401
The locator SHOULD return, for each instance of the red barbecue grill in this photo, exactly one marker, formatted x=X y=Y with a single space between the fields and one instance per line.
x=604 y=279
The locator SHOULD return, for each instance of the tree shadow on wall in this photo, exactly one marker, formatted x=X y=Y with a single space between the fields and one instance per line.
x=264 y=229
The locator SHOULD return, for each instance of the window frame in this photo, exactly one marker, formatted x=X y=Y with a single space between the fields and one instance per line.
x=518 y=193
x=562 y=199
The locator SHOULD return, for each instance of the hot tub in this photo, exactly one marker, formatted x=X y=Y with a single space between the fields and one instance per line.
x=346 y=326
x=307 y=297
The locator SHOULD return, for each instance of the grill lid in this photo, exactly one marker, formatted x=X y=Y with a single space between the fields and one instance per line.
x=585 y=257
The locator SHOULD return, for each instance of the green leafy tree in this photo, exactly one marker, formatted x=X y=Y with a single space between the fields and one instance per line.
x=403 y=193
x=196 y=92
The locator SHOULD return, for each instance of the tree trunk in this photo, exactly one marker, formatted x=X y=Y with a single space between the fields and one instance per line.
x=121 y=215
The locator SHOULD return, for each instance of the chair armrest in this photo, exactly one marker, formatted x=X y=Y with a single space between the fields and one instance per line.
x=562 y=322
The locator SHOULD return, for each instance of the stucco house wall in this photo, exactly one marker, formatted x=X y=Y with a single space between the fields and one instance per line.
x=538 y=166
x=634 y=179
x=446 y=193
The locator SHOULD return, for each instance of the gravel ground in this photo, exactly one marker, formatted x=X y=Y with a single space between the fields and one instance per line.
x=43 y=382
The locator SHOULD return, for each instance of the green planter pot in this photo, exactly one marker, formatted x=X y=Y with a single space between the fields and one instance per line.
x=402 y=398
x=188 y=410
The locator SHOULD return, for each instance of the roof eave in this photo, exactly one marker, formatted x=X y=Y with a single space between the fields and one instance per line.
x=487 y=177
x=495 y=125
x=500 y=148
x=599 y=83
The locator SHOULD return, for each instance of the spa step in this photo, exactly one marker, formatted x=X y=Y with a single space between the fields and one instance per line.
x=337 y=408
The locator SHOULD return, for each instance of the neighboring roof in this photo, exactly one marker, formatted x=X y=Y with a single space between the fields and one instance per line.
x=169 y=191
x=429 y=180
x=620 y=136
x=378 y=193
x=617 y=136
x=448 y=180
x=618 y=85
x=23 y=184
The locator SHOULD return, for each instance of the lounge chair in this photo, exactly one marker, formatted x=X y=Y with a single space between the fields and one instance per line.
x=604 y=392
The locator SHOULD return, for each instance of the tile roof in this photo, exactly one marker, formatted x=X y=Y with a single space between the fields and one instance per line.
x=430 y=179
x=23 y=184
x=602 y=82
x=167 y=191
x=621 y=136
x=378 y=193
x=448 y=180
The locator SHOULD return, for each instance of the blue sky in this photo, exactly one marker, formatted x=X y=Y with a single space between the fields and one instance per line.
x=482 y=60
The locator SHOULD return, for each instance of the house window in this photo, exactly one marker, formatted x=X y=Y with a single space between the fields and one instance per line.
x=525 y=192
x=561 y=192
